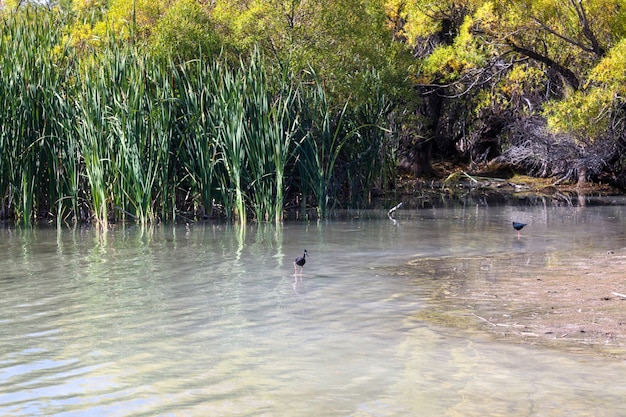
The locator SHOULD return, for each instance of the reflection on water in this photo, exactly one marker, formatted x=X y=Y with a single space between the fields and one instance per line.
x=209 y=321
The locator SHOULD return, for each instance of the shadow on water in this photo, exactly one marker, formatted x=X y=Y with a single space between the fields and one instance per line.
x=207 y=319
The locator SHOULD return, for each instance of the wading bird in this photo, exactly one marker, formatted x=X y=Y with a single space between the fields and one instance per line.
x=299 y=262
x=518 y=226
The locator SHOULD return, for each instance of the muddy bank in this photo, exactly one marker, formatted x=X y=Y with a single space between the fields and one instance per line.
x=554 y=299
x=458 y=183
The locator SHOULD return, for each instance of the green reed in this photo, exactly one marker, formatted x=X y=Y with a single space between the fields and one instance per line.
x=117 y=135
x=270 y=126
x=371 y=150
x=142 y=126
x=211 y=128
x=29 y=84
x=64 y=157
x=126 y=124
x=197 y=150
x=227 y=119
x=322 y=136
x=92 y=132
x=238 y=136
x=343 y=152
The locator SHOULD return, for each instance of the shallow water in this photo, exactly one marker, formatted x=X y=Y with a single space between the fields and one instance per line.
x=208 y=320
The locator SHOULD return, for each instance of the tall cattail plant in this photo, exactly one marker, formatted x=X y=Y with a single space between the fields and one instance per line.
x=113 y=135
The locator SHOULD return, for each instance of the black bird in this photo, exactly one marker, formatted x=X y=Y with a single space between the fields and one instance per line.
x=299 y=262
x=518 y=226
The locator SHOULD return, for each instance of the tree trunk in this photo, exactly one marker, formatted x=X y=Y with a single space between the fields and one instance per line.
x=422 y=160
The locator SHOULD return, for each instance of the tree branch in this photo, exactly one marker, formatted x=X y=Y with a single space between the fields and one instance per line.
x=595 y=47
x=563 y=37
x=582 y=16
x=567 y=74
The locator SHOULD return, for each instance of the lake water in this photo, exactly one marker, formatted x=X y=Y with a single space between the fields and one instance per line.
x=209 y=320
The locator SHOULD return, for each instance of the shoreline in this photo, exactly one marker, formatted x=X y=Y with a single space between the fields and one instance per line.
x=576 y=305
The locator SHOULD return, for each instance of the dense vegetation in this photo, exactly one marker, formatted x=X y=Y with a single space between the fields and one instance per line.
x=152 y=110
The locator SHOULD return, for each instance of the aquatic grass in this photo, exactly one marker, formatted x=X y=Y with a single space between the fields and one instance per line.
x=270 y=126
x=371 y=152
x=142 y=124
x=210 y=134
x=93 y=139
x=29 y=83
x=126 y=130
x=163 y=121
x=197 y=149
x=239 y=137
x=236 y=136
x=63 y=146
x=64 y=155
x=344 y=152
x=322 y=136
x=117 y=135
x=228 y=117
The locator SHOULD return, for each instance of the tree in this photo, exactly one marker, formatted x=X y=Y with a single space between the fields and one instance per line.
x=505 y=62
x=185 y=31
x=341 y=40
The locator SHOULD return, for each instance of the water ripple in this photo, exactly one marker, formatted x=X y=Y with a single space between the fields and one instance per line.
x=207 y=321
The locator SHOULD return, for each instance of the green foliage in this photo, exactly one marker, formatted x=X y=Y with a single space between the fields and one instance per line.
x=120 y=134
x=610 y=71
x=513 y=92
x=510 y=61
x=415 y=21
x=320 y=141
x=588 y=113
x=583 y=114
x=35 y=164
x=129 y=20
x=136 y=109
x=338 y=39
x=185 y=31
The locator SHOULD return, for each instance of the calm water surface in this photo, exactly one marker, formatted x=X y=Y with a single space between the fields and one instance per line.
x=208 y=321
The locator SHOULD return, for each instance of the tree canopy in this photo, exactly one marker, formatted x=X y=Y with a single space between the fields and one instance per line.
x=560 y=59
x=553 y=66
